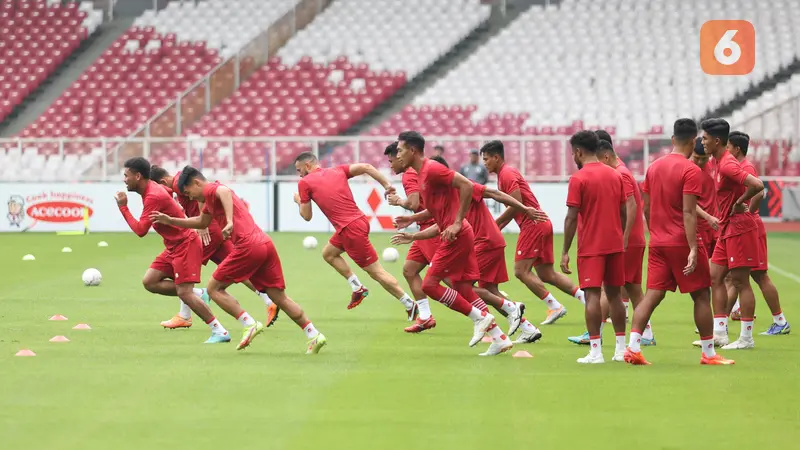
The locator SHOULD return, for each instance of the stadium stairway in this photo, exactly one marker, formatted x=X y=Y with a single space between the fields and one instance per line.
x=405 y=95
x=755 y=90
x=40 y=100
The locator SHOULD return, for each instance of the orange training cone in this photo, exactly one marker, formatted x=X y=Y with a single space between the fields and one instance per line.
x=522 y=354
x=25 y=353
x=59 y=339
x=58 y=317
x=81 y=326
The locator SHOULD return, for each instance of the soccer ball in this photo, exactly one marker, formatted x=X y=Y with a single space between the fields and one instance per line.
x=310 y=242
x=390 y=254
x=92 y=277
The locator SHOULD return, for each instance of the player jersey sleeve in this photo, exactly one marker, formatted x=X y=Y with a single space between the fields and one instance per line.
x=210 y=194
x=439 y=174
x=623 y=190
x=733 y=170
x=345 y=168
x=507 y=182
x=410 y=182
x=750 y=169
x=693 y=181
x=574 y=192
x=304 y=190
x=628 y=185
x=141 y=226
x=477 y=192
x=646 y=183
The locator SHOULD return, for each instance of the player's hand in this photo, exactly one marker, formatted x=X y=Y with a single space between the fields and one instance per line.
x=402 y=222
x=390 y=191
x=691 y=263
x=121 y=198
x=297 y=198
x=451 y=233
x=713 y=222
x=625 y=242
x=537 y=215
x=394 y=200
x=738 y=207
x=205 y=237
x=565 y=263
x=226 y=232
x=402 y=238
x=159 y=217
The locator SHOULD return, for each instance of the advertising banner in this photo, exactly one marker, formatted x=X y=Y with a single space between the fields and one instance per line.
x=50 y=207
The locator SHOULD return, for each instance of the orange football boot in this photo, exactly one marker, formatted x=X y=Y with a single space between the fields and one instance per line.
x=635 y=358
x=716 y=360
x=358 y=297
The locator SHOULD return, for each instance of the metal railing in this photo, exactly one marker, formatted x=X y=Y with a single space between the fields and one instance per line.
x=539 y=158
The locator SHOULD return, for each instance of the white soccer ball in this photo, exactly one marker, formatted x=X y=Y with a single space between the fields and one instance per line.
x=92 y=277
x=390 y=254
x=310 y=242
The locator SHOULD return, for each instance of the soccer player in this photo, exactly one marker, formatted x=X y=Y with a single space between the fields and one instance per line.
x=596 y=208
x=676 y=259
x=737 y=250
x=535 y=243
x=490 y=253
x=447 y=196
x=253 y=258
x=738 y=144
x=176 y=270
x=215 y=248
x=421 y=252
x=707 y=202
x=329 y=189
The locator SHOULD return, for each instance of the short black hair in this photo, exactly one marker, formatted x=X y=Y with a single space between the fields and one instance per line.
x=139 y=165
x=741 y=140
x=413 y=139
x=494 y=148
x=391 y=149
x=684 y=130
x=604 y=136
x=438 y=147
x=603 y=146
x=188 y=174
x=157 y=173
x=305 y=156
x=586 y=140
x=717 y=128
x=698 y=147
x=441 y=161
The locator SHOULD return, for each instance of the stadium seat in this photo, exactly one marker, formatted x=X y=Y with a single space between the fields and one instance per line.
x=35 y=38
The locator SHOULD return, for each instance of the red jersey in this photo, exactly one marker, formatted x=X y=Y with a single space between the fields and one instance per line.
x=509 y=180
x=708 y=199
x=487 y=233
x=636 y=239
x=436 y=189
x=245 y=231
x=190 y=207
x=668 y=179
x=331 y=192
x=598 y=192
x=410 y=182
x=730 y=186
x=156 y=198
x=748 y=167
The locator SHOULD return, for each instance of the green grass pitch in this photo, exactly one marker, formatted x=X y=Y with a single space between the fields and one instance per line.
x=128 y=384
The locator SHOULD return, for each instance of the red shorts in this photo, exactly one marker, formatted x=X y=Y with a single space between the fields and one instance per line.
x=182 y=263
x=763 y=261
x=634 y=256
x=354 y=240
x=492 y=266
x=665 y=269
x=536 y=242
x=423 y=251
x=456 y=260
x=218 y=249
x=594 y=271
x=738 y=251
x=709 y=239
x=258 y=263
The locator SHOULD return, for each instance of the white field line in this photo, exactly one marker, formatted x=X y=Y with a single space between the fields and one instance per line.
x=786 y=274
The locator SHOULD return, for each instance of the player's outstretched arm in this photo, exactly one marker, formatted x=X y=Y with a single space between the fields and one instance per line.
x=372 y=172
x=405 y=221
x=198 y=222
x=407 y=238
x=410 y=203
x=510 y=201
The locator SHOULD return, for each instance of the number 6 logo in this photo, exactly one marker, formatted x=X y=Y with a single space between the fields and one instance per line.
x=727 y=47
